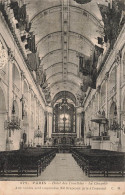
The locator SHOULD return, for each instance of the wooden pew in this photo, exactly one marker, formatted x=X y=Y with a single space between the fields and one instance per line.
x=25 y=162
x=100 y=162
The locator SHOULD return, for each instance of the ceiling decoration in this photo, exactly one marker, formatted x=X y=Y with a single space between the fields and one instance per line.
x=63 y=40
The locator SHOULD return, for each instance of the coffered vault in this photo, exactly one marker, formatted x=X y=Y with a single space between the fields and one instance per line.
x=64 y=30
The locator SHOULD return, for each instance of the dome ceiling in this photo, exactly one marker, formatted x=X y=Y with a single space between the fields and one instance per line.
x=64 y=30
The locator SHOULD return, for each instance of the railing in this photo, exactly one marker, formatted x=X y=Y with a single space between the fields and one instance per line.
x=106 y=138
x=101 y=138
x=96 y=138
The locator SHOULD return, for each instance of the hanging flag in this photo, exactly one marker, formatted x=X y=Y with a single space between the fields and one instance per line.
x=94 y=78
x=48 y=100
x=32 y=61
x=28 y=24
x=82 y=1
x=22 y=13
x=15 y=7
x=23 y=38
x=122 y=19
x=31 y=42
x=26 y=46
x=98 y=50
x=84 y=87
x=105 y=39
x=81 y=60
x=47 y=93
x=44 y=77
x=100 y=40
x=44 y=85
x=46 y=89
x=88 y=66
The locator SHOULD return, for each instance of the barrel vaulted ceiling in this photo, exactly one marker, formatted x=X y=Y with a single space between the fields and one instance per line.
x=64 y=29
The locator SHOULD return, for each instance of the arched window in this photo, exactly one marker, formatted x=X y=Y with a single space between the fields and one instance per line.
x=2 y=119
x=16 y=108
x=112 y=80
x=16 y=77
x=25 y=90
x=123 y=116
x=103 y=93
x=113 y=114
x=124 y=67
x=64 y=117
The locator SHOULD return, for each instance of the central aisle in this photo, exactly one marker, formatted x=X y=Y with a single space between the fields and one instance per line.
x=63 y=167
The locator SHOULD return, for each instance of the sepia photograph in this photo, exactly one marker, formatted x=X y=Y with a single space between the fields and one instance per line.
x=62 y=97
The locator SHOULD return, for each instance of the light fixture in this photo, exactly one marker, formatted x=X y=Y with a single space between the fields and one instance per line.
x=14 y=123
x=38 y=134
x=115 y=111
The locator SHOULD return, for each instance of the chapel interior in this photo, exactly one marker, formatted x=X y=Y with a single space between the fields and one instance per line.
x=62 y=88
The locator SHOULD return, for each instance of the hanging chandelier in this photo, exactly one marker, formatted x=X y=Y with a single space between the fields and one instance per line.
x=38 y=133
x=14 y=123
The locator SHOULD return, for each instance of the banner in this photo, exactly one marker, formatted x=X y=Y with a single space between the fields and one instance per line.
x=33 y=60
x=82 y=1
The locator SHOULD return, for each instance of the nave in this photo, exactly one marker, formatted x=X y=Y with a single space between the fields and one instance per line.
x=62 y=89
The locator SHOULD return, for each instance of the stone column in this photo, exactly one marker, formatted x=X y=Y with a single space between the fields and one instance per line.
x=49 y=122
x=106 y=98
x=35 y=125
x=21 y=100
x=118 y=92
x=78 y=121
x=10 y=83
x=50 y=125
x=42 y=122
x=98 y=91
x=31 y=134
x=10 y=94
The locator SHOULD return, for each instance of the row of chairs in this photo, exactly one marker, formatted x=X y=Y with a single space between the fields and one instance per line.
x=100 y=162
x=25 y=162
